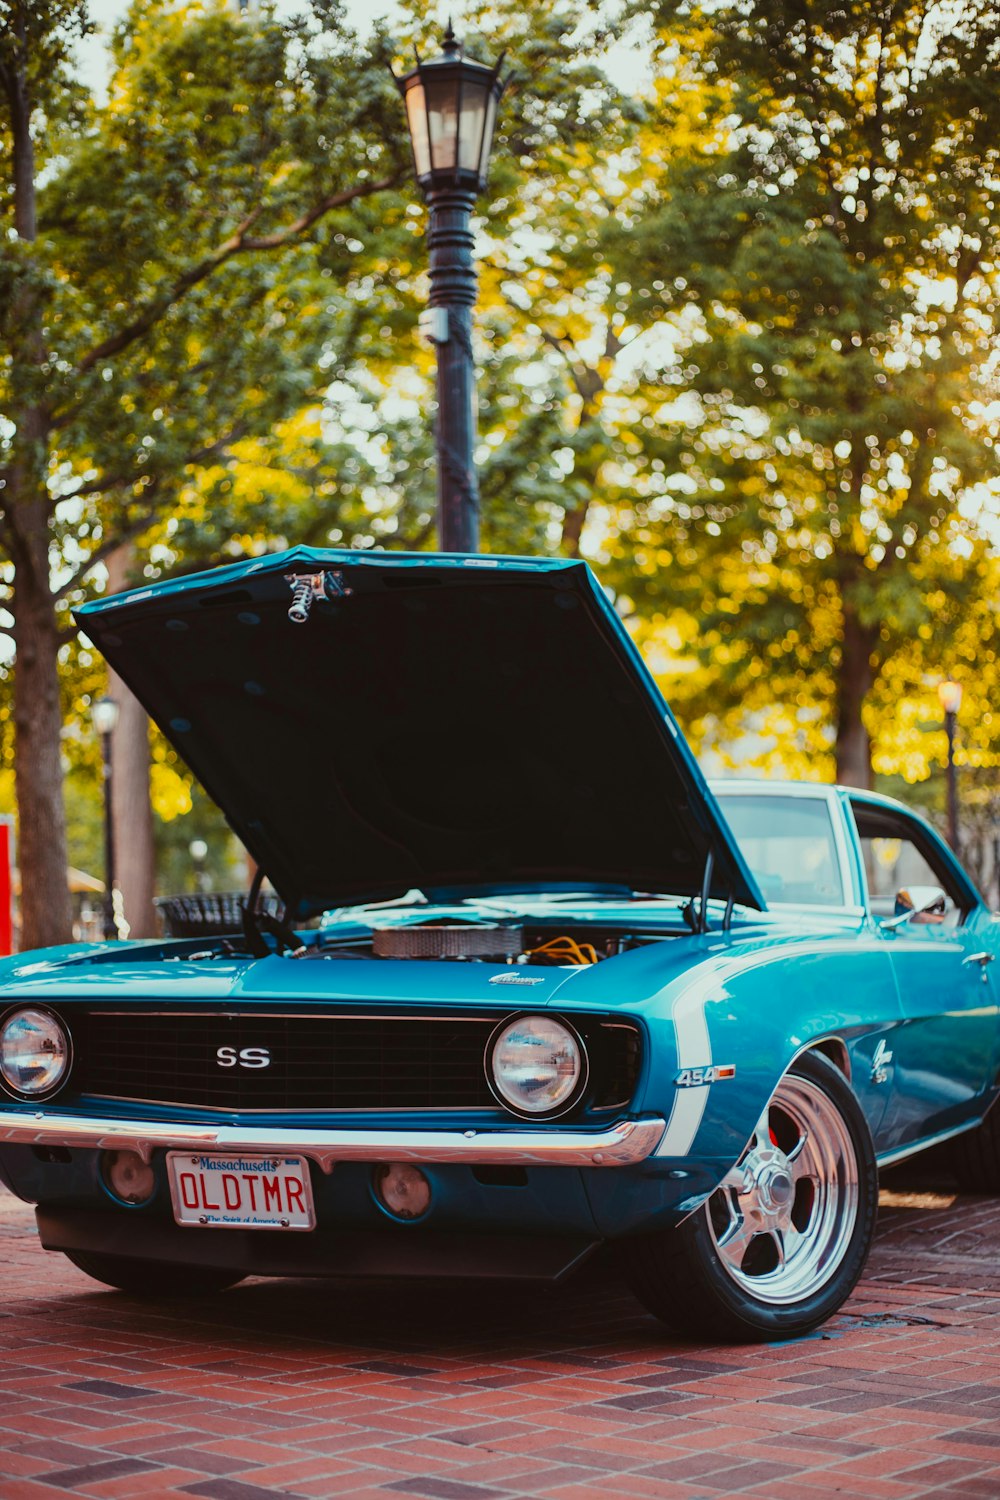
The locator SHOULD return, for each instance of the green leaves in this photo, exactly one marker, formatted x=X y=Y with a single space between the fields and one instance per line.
x=737 y=337
x=833 y=230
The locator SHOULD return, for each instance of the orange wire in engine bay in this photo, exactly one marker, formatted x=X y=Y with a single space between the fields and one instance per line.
x=563 y=950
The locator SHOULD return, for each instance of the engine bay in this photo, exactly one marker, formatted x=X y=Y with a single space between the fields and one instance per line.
x=492 y=942
x=538 y=932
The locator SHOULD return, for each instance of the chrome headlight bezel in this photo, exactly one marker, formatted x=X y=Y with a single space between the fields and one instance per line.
x=564 y=1104
x=46 y=1092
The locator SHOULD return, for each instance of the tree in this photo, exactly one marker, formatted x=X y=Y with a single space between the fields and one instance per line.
x=203 y=276
x=132 y=810
x=222 y=147
x=825 y=249
x=33 y=54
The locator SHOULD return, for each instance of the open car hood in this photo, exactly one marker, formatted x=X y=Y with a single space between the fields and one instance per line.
x=436 y=722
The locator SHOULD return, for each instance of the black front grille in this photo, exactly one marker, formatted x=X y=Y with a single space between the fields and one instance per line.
x=316 y=1062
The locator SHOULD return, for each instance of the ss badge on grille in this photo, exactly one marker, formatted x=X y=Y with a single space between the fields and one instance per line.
x=247 y=1057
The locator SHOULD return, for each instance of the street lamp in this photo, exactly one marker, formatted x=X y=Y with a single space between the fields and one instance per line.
x=104 y=714
x=451 y=106
x=198 y=851
x=950 y=696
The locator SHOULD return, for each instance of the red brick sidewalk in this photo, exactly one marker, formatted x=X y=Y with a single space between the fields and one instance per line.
x=318 y=1389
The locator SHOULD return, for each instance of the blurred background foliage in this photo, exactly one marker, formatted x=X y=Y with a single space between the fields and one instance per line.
x=738 y=339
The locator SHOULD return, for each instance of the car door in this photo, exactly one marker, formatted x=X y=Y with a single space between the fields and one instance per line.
x=797 y=844
x=946 y=1051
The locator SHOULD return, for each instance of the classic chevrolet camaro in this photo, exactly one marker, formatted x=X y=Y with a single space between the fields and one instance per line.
x=536 y=991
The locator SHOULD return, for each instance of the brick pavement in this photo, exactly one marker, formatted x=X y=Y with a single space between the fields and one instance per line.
x=317 y=1389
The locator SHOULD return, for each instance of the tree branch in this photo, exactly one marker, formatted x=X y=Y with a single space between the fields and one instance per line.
x=239 y=243
x=102 y=486
x=154 y=497
x=128 y=533
x=586 y=382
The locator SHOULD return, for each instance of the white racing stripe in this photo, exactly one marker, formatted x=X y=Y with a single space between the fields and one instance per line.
x=694 y=1050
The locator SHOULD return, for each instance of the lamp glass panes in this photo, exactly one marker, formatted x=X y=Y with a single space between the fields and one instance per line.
x=451 y=105
x=416 y=117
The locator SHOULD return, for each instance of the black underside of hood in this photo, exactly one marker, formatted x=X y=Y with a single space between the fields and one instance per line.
x=436 y=723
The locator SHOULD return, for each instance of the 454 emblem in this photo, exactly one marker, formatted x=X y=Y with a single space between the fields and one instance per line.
x=692 y=1078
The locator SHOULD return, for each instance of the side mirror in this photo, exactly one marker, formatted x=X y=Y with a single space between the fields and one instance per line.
x=918 y=903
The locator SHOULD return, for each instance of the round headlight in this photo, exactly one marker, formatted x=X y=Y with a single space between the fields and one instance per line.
x=34 y=1052
x=536 y=1066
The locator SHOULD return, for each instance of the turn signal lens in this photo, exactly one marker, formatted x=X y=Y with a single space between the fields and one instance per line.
x=536 y=1066
x=129 y=1177
x=402 y=1190
x=34 y=1052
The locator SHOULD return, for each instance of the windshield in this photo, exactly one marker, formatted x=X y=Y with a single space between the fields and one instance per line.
x=789 y=845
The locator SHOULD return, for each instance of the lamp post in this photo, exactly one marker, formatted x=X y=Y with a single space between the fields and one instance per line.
x=950 y=696
x=104 y=713
x=451 y=105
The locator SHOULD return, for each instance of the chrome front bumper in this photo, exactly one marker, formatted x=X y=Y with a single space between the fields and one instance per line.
x=622 y=1145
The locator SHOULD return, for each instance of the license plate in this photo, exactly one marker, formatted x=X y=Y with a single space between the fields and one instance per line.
x=241 y=1192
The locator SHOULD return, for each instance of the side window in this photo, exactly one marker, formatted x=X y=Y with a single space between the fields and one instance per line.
x=897 y=855
x=789 y=844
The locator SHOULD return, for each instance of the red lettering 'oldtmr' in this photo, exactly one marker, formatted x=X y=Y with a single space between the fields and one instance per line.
x=219 y=1193
x=204 y=1196
x=293 y=1187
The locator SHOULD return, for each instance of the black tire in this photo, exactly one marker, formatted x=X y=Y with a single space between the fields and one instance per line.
x=808 y=1178
x=152 y=1280
x=975 y=1156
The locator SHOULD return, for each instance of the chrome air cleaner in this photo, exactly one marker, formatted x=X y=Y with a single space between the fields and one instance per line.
x=448 y=940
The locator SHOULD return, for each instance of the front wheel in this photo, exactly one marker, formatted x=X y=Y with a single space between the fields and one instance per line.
x=152 y=1280
x=781 y=1243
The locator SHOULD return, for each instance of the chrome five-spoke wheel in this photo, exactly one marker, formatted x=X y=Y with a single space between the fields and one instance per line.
x=781 y=1242
x=783 y=1217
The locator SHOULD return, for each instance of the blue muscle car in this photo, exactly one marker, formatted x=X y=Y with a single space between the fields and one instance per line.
x=536 y=991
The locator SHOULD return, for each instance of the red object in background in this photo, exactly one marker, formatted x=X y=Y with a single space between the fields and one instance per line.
x=6 y=888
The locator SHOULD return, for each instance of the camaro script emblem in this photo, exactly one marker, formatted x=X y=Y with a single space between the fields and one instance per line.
x=247 y=1057
x=880 y=1062
x=514 y=979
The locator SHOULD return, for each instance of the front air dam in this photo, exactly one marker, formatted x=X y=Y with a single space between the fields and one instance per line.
x=397 y=1250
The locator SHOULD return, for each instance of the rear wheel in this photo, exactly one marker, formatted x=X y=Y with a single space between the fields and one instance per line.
x=975 y=1156
x=780 y=1244
x=152 y=1280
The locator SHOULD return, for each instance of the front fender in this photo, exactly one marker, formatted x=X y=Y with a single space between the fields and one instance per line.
x=753 y=1014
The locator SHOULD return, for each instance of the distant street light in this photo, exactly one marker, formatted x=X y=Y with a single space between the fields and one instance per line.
x=451 y=105
x=104 y=715
x=950 y=695
x=198 y=851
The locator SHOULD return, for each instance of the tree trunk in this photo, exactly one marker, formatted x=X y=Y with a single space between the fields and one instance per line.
x=574 y=521
x=589 y=384
x=46 y=915
x=15 y=85
x=855 y=678
x=132 y=813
